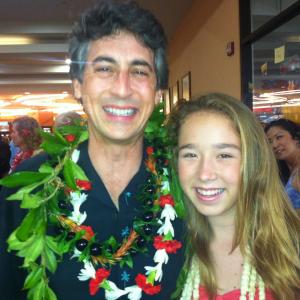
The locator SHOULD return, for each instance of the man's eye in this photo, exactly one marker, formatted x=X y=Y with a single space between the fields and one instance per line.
x=140 y=72
x=103 y=69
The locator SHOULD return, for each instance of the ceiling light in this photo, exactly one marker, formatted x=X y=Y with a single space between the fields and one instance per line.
x=15 y=40
x=68 y=61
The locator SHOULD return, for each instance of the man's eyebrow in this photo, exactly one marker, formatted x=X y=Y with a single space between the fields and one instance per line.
x=141 y=62
x=103 y=58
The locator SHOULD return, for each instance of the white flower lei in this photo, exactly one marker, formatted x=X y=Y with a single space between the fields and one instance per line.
x=250 y=280
x=134 y=292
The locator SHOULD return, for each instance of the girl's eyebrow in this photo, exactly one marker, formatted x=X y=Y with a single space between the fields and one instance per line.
x=226 y=145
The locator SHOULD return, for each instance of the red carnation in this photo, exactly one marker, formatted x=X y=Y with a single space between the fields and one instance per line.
x=170 y=246
x=84 y=184
x=70 y=138
x=150 y=150
x=101 y=274
x=166 y=199
x=148 y=288
x=89 y=233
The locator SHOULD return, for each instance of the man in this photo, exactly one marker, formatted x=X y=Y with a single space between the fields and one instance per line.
x=67 y=118
x=118 y=70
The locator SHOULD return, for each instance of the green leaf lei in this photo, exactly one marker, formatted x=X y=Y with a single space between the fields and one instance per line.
x=44 y=194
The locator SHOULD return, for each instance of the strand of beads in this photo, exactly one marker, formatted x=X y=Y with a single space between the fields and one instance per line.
x=192 y=283
x=250 y=280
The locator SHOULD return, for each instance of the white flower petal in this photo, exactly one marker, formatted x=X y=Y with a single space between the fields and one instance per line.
x=78 y=218
x=157 y=269
x=165 y=186
x=166 y=228
x=161 y=256
x=76 y=253
x=87 y=272
x=134 y=292
x=115 y=293
x=168 y=212
x=75 y=156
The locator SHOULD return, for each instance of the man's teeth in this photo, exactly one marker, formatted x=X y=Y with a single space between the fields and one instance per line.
x=211 y=192
x=120 y=112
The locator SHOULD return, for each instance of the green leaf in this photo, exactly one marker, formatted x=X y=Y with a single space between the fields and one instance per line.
x=151 y=277
x=105 y=285
x=46 y=168
x=53 y=245
x=72 y=172
x=83 y=136
x=129 y=261
x=31 y=201
x=22 y=179
x=28 y=224
x=50 y=259
x=49 y=294
x=32 y=251
x=177 y=193
x=19 y=195
x=39 y=291
x=33 y=278
x=53 y=144
x=15 y=244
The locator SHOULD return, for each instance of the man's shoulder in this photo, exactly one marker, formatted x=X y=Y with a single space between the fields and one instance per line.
x=33 y=163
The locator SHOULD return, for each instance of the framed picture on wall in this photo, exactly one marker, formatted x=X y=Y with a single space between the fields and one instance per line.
x=167 y=102
x=175 y=94
x=186 y=86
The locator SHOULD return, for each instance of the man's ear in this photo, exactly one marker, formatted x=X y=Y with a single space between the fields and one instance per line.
x=77 y=89
x=158 y=96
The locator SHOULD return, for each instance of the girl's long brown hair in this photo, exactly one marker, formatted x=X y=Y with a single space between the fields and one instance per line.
x=265 y=220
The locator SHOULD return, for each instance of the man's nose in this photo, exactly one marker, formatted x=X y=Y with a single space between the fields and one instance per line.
x=122 y=85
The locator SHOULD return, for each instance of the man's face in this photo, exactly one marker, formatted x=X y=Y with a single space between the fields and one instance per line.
x=118 y=89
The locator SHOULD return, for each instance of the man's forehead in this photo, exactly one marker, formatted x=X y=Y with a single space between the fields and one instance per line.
x=122 y=45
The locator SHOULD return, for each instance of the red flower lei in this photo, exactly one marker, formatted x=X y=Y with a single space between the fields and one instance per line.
x=148 y=288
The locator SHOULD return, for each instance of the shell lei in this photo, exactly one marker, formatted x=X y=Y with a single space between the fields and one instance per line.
x=250 y=281
x=163 y=243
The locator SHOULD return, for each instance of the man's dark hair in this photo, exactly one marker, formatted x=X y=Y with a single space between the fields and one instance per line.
x=110 y=17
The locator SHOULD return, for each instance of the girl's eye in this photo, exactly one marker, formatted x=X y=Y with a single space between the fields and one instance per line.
x=189 y=155
x=225 y=155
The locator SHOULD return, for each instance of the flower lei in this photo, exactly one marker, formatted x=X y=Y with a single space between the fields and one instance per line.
x=250 y=280
x=54 y=194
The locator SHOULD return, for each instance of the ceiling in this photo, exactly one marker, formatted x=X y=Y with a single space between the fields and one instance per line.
x=33 y=66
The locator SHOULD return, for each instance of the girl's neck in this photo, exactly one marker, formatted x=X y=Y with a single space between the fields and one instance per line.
x=223 y=229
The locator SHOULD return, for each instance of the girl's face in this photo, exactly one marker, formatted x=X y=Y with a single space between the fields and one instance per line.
x=209 y=163
x=282 y=142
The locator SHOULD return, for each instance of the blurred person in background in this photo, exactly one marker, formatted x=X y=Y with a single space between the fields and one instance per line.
x=4 y=158
x=67 y=118
x=25 y=134
x=284 y=137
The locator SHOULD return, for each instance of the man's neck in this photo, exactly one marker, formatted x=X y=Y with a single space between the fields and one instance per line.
x=116 y=164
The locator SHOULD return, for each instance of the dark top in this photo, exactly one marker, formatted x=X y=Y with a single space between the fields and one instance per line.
x=105 y=220
x=4 y=158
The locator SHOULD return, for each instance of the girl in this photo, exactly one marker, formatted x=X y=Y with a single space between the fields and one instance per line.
x=284 y=137
x=25 y=134
x=244 y=234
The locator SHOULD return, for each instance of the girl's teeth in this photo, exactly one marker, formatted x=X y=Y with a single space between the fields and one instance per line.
x=209 y=192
